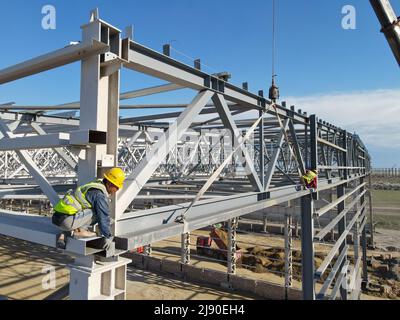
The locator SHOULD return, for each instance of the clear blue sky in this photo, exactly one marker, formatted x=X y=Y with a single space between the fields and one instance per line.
x=315 y=55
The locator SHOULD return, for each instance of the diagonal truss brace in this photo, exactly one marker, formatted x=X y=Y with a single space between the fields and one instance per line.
x=299 y=157
x=60 y=151
x=32 y=167
x=145 y=169
x=229 y=122
x=275 y=156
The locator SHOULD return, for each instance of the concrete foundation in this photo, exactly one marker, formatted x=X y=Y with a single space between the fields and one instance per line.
x=95 y=280
x=191 y=273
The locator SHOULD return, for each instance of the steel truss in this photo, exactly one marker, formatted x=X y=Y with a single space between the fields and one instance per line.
x=184 y=172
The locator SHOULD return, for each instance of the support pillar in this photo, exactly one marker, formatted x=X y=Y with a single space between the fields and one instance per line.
x=261 y=153
x=364 y=244
x=94 y=104
x=371 y=213
x=307 y=247
x=99 y=111
x=288 y=253
x=95 y=280
x=232 y=258
x=185 y=248
x=341 y=229
x=265 y=223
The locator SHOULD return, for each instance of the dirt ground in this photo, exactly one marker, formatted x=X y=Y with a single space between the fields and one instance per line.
x=23 y=269
x=145 y=285
x=170 y=249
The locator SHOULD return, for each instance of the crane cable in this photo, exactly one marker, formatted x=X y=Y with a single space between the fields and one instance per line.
x=273 y=38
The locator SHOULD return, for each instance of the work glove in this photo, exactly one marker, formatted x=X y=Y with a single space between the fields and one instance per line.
x=107 y=243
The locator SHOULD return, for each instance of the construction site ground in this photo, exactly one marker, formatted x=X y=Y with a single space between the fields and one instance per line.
x=23 y=268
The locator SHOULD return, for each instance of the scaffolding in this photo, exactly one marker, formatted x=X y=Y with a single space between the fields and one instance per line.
x=225 y=154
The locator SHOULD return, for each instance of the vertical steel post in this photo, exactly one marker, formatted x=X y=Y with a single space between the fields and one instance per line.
x=94 y=104
x=185 y=248
x=341 y=230
x=265 y=223
x=314 y=147
x=306 y=155
x=313 y=142
x=371 y=214
x=232 y=226
x=112 y=134
x=307 y=221
x=364 y=243
x=307 y=247
x=356 y=240
x=288 y=253
x=345 y=155
x=261 y=153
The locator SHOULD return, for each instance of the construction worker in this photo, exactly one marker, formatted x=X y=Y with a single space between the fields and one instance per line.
x=310 y=179
x=87 y=206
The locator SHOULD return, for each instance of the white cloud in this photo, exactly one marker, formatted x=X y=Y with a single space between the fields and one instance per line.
x=374 y=115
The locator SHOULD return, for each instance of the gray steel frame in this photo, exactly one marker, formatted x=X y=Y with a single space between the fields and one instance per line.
x=158 y=169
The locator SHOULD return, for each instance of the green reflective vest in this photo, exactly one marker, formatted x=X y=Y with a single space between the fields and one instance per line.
x=73 y=202
x=309 y=176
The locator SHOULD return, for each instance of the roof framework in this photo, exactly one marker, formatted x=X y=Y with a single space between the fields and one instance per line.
x=227 y=153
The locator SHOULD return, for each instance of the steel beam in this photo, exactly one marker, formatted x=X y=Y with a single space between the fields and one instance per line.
x=307 y=247
x=342 y=225
x=155 y=64
x=35 y=142
x=52 y=60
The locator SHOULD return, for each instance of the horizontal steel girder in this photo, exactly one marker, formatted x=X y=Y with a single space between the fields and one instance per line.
x=143 y=227
x=52 y=60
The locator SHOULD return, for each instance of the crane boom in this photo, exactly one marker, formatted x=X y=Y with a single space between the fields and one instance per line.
x=390 y=24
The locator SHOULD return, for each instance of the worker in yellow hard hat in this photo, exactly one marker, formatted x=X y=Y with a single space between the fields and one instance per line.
x=87 y=206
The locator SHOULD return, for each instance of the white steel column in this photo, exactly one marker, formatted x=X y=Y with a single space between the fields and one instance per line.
x=185 y=248
x=94 y=105
x=288 y=253
x=232 y=256
x=112 y=131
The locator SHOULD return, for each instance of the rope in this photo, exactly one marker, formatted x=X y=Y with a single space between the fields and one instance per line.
x=273 y=37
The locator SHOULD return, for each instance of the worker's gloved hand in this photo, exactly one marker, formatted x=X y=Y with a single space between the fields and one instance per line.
x=107 y=243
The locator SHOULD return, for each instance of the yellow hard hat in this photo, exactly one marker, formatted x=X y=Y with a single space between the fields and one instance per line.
x=116 y=176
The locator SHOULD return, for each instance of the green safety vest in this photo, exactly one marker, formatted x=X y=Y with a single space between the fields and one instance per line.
x=309 y=176
x=73 y=202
